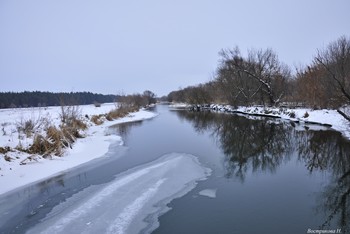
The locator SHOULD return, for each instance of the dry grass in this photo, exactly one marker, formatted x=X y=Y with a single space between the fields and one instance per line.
x=115 y=114
x=120 y=112
x=96 y=119
x=4 y=150
x=29 y=159
x=53 y=143
x=77 y=124
x=56 y=139
x=27 y=127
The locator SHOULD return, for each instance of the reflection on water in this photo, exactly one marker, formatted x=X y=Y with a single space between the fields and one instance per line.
x=252 y=145
x=324 y=151
x=45 y=185
x=123 y=129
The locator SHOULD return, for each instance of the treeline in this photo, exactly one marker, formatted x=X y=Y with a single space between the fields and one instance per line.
x=39 y=99
x=260 y=78
x=138 y=100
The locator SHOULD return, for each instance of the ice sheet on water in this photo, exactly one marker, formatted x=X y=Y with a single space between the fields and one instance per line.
x=122 y=205
x=208 y=193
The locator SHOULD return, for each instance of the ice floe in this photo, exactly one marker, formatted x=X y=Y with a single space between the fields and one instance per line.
x=208 y=193
x=123 y=205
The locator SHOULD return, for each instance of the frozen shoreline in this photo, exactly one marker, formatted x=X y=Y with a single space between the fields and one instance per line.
x=326 y=117
x=94 y=145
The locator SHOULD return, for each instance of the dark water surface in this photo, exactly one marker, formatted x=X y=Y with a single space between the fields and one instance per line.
x=269 y=176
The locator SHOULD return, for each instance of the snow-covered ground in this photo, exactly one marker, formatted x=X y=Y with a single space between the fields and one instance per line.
x=94 y=145
x=123 y=205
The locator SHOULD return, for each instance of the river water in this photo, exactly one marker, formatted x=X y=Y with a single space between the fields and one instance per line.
x=267 y=176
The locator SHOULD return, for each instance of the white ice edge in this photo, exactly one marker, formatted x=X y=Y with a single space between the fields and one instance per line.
x=179 y=105
x=211 y=193
x=94 y=146
x=123 y=205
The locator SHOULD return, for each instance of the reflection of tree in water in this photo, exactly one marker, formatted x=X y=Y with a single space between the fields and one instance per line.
x=315 y=148
x=328 y=151
x=45 y=185
x=202 y=121
x=260 y=145
x=123 y=129
x=247 y=143
x=263 y=145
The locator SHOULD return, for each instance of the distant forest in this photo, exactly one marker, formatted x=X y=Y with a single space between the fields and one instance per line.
x=39 y=99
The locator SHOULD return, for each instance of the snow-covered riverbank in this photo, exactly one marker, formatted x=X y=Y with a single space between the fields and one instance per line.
x=95 y=144
x=330 y=118
x=327 y=117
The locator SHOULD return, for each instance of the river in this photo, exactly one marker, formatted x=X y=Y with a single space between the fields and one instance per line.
x=199 y=172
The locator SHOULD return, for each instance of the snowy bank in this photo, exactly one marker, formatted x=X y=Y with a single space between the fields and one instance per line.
x=130 y=203
x=179 y=105
x=329 y=118
x=94 y=145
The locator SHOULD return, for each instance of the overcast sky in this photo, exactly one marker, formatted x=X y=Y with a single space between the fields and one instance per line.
x=114 y=46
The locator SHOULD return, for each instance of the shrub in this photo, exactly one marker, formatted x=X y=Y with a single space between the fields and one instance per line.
x=30 y=126
x=109 y=117
x=120 y=112
x=69 y=136
x=55 y=141
x=96 y=119
x=26 y=126
x=39 y=146
x=69 y=113
x=71 y=122
x=78 y=124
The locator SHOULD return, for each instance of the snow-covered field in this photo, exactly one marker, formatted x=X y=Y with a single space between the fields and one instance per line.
x=94 y=145
x=123 y=205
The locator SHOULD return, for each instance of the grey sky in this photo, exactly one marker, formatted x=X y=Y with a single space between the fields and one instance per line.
x=113 y=46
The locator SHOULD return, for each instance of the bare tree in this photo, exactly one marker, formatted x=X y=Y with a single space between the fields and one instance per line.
x=236 y=85
x=335 y=59
x=149 y=96
x=260 y=73
x=313 y=88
